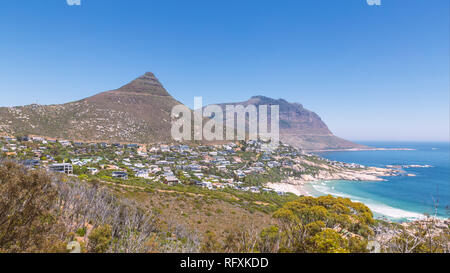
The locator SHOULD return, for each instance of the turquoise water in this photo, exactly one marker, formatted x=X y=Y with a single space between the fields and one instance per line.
x=402 y=197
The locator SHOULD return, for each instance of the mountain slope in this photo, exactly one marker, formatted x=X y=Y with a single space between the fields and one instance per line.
x=301 y=127
x=139 y=112
x=136 y=112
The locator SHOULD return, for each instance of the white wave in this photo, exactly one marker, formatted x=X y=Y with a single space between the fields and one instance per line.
x=392 y=212
x=376 y=207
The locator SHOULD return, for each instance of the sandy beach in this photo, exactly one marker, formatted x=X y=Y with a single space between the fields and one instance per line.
x=292 y=185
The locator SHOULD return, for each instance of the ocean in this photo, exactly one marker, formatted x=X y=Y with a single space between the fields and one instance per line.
x=399 y=198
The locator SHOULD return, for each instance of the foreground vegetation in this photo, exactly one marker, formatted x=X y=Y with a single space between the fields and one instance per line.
x=43 y=213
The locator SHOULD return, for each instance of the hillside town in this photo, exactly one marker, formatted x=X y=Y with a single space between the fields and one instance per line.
x=242 y=166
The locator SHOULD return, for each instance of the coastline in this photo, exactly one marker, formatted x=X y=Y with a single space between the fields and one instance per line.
x=326 y=172
x=296 y=185
x=304 y=186
x=360 y=149
x=291 y=185
x=380 y=210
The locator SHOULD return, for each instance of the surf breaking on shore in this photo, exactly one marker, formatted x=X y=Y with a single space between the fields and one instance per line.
x=380 y=209
x=317 y=188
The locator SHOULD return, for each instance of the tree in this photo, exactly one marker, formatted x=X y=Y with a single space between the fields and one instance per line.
x=27 y=223
x=210 y=243
x=421 y=236
x=323 y=224
x=269 y=240
x=100 y=239
x=328 y=241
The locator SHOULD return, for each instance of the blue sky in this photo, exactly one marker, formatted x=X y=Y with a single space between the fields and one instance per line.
x=370 y=72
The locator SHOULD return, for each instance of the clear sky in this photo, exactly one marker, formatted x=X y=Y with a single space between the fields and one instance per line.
x=370 y=72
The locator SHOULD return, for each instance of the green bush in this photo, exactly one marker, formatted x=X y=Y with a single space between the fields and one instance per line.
x=100 y=239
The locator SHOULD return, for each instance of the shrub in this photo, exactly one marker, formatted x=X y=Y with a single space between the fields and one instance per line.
x=100 y=239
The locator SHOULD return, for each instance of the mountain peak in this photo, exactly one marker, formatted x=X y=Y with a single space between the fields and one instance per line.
x=146 y=84
x=284 y=105
x=299 y=126
x=137 y=112
x=264 y=99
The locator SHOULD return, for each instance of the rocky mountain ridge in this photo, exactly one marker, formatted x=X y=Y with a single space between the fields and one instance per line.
x=139 y=112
